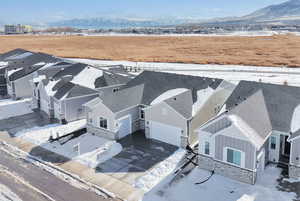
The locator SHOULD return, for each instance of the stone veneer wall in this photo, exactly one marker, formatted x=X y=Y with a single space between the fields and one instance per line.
x=294 y=171
x=227 y=170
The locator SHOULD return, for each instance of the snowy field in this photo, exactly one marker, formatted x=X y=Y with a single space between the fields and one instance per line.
x=237 y=33
x=220 y=188
x=87 y=149
x=10 y=108
x=233 y=73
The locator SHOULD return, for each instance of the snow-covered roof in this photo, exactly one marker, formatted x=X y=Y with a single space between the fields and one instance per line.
x=168 y=94
x=202 y=96
x=88 y=77
x=19 y=56
x=3 y=63
x=11 y=71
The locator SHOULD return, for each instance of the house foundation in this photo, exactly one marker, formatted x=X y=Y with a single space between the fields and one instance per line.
x=227 y=170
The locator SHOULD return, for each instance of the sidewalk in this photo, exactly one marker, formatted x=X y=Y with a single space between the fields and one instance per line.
x=121 y=189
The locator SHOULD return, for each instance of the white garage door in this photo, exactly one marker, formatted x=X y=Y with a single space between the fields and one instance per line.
x=124 y=126
x=44 y=106
x=165 y=133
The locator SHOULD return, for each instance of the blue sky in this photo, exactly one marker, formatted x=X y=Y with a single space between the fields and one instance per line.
x=52 y=10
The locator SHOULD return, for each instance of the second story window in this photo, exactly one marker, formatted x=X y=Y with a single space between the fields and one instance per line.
x=103 y=123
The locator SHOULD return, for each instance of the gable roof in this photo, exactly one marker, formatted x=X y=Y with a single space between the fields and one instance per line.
x=70 y=90
x=123 y=99
x=280 y=101
x=254 y=113
x=182 y=103
x=6 y=55
x=156 y=83
x=30 y=64
x=250 y=117
x=113 y=77
x=147 y=86
x=74 y=70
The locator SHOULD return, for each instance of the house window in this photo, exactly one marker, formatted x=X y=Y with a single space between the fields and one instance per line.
x=273 y=142
x=142 y=113
x=103 y=123
x=234 y=156
x=206 y=148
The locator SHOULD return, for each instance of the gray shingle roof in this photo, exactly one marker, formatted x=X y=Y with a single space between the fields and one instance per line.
x=182 y=103
x=123 y=99
x=156 y=83
x=27 y=65
x=70 y=90
x=112 y=78
x=253 y=111
x=73 y=70
x=280 y=101
x=12 y=53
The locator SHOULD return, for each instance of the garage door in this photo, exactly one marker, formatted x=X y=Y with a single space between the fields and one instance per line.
x=44 y=106
x=124 y=126
x=165 y=133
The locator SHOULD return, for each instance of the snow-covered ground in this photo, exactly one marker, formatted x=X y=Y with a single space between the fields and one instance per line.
x=234 y=73
x=220 y=188
x=155 y=175
x=87 y=149
x=7 y=195
x=40 y=135
x=10 y=108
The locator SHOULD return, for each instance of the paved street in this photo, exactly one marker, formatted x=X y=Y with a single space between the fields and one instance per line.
x=49 y=184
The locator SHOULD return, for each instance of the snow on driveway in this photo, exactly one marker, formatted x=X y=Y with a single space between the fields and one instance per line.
x=88 y=149
x=160 y=171
x=220 y=188
x=11 y=108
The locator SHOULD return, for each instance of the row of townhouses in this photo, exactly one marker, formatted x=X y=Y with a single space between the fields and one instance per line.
x=238 y=129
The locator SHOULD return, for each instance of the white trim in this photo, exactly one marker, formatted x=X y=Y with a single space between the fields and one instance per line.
x=225 y=150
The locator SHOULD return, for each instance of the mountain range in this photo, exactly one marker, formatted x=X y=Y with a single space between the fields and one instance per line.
x=284 y=13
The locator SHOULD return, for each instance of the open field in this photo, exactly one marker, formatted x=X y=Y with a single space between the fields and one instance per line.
x=277 y=50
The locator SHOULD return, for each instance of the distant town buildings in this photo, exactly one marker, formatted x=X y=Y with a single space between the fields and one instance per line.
x=17 y=29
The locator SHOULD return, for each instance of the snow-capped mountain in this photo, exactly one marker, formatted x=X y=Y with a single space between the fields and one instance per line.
x=284 y=13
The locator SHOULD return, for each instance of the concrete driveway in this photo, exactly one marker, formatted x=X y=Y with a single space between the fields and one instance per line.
x=138 y=155
x=14 y=124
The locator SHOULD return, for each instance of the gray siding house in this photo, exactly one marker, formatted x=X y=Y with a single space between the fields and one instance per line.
x=164 y=106
x=21 y=70
x=4 y=62
x=233 y=143
x=280 y=145
x=62 y=89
